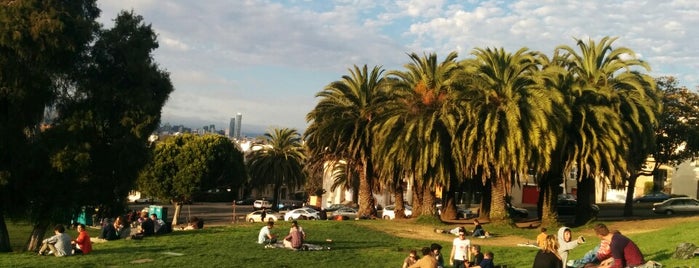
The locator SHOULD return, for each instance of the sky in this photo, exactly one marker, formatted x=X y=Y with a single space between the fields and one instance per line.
x=267 y=59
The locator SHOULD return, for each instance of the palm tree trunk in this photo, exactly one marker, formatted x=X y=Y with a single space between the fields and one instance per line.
x=498 y=214
x=417 y=197
x=628 y=205
x=586 y=193
x=399 y=209
x=549 y=186
x=449 y=197
x=366 y=199
x=4 y=235
x=428 y=198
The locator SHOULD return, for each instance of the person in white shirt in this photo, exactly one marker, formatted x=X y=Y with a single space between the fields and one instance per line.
x=59 y=244
x=460 y=252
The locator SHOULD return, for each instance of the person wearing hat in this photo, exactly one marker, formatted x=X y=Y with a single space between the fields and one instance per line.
x=460 y=252
x=436 y=252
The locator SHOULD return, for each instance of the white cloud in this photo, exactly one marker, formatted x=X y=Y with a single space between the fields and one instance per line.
x=257 y=55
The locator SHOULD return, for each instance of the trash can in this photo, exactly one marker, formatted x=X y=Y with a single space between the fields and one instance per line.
x=159 y=211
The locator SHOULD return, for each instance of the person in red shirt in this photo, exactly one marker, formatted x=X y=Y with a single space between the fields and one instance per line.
x=624 y=251
x=82 y=244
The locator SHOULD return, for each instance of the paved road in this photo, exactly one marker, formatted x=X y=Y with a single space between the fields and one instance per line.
x=223 y=214
x=212 y=213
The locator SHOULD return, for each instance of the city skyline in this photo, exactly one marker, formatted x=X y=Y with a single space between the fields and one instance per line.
x=267 y=59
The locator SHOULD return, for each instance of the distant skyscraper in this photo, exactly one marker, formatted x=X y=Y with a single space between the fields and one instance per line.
x=238 y=120
x=231 y=128
x=212 y=128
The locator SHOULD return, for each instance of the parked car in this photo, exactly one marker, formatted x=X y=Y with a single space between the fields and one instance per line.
x=261 y=204
x=246 y=201
x=302 y=213
x=677 y=205
x=290 y=204
x=346 y=212
x=516 y=212
x=270 y=215
x=389 y=214
x=568 y=207
x=461 y=212
x=652 y=197
x=143 y=200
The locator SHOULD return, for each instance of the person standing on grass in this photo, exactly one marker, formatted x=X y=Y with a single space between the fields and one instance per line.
x=59 y=244
x=460 y=252
x=624 y=251
x=82 y=244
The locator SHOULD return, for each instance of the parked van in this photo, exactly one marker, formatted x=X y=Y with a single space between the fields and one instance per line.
x=261 y=204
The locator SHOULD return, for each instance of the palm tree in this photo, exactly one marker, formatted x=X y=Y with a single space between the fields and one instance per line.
x=515 y=121
x=279 y=162
x=416 y=127
x=607 y=99
x=341 y=126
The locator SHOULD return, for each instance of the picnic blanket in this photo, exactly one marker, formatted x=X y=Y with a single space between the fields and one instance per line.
x=305 y=247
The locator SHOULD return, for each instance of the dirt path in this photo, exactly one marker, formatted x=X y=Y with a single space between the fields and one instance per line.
x=407 y=229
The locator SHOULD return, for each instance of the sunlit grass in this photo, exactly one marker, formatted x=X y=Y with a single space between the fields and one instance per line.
x=354 y=244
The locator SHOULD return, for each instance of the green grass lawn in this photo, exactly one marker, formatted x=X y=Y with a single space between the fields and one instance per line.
x=355 y=244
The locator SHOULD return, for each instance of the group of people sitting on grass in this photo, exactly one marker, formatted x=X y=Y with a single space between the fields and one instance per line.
x=463 y=254
x=614 y=250
x=61 y=244
x=146 y=226
x=294 y=240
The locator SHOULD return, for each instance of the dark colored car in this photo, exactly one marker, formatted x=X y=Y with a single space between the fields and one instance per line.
x=568 y=207
x=246 y=201
x=516 y=212
x=652 y=198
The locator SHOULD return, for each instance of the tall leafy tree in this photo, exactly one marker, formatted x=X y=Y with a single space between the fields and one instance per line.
x=341 y=126
x=98 y=141
x=279 y=162
x=597 y=138
x=515 y=122
x=416 y=127
x=185 y=164
x=40 y=41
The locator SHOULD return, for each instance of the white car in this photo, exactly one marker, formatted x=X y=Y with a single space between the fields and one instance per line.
x=261 y=204
x=270 y=215
x=303 y=213
x=389 y=214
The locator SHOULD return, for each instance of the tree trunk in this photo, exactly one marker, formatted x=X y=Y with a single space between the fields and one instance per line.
x=428 y=198
x=37 y=235
x=586 y=191
x=486 y=200
x=176 y=215
x=498 y=214
x=449 y=201
x=366 y=199
x=549 y=188
x=417 y=197
x=628 y=205
x=399 y=209
x=4 y=235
